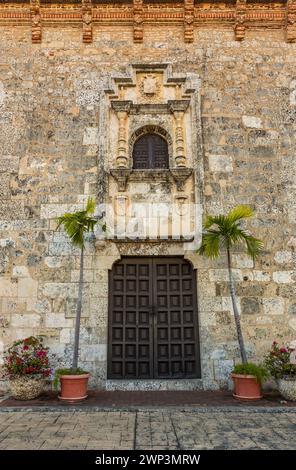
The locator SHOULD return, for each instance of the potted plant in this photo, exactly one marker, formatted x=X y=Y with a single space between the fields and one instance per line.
x=224 y=232
x=26 y=365
x=281 y=364
x=74 y=380
x=246 y=388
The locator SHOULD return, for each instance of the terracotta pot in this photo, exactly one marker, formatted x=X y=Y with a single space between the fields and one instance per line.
x=246 y=387
x=73 y=387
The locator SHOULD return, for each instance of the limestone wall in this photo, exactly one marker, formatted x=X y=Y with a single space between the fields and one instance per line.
x=50 y=96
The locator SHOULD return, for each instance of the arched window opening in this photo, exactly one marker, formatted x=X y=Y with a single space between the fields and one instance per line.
x=150 y=152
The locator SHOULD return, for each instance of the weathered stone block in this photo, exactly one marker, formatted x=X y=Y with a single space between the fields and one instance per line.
x=91 y=136
x=27 y=287
x=252 y=121
x=273 y=306
x=283 y=257
x=59 y=289
x=223 y=369
x=220 y=163
x=261 y=276
x=222 y=275
x=242 y=261
x=30 y=320
x=57 y=320
x=283 y=277
x=250 y=305
x=8 y=288
x=20 y=271
x=94 y=352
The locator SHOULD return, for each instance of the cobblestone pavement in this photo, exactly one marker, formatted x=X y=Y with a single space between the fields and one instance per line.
x=158 y=429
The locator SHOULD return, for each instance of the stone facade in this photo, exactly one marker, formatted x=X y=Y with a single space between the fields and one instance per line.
x=55 y=118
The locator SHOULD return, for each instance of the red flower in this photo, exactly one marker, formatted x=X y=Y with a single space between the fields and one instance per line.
x=41 y=353
x=283 y=350
x=25 y=348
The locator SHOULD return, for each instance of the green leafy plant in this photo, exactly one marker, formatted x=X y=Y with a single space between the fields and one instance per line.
x=259 y=371
x=59 y=372
x=76 y=225
x=224 y=232
x=27 y=357
x=278 y=362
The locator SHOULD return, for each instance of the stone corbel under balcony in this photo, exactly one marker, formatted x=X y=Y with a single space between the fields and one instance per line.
x=124 y=175
x=121 y=175
x=180 y=176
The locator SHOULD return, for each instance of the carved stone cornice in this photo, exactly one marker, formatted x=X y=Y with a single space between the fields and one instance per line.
x=242 y=15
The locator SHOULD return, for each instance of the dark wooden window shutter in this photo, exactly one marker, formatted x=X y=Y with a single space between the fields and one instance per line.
x=150 y=152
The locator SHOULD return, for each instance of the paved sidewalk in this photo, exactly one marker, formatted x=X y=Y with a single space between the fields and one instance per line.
x=134 y=399
x=163 y=429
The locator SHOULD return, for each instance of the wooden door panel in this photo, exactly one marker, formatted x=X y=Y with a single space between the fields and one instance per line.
x=176 y=338
x=131 y=328
x=153 y=319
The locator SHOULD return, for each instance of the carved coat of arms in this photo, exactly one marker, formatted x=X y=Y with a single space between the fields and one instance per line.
x=149 y=86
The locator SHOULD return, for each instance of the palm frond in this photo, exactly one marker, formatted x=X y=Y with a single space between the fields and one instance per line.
x=240 y=212
x=254 y=245
x=224 y=231
x=210 y=246
x=90 y=206
x=77 y=223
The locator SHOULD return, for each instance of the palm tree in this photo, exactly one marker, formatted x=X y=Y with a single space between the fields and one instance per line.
x=76 y=225
x=225 y=232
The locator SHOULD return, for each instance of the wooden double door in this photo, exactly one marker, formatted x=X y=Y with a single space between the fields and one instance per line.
x=153 y=327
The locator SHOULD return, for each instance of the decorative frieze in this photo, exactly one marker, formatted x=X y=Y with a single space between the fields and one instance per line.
x=35 y=21
x=87 y=21
x=189 y=15
x=291 y=21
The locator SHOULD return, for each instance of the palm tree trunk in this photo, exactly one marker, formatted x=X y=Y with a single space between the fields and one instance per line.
x=235 y=311
x=78 y=312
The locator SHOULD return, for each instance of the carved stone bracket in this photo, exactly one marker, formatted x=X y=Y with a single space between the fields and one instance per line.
x=121 y=175
x=180 y=175
x=240 y=19
x=291 y=21
x=188 y=20
x=36 y=31
x=121 y=106
x=138 y=20
x=87 y=21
